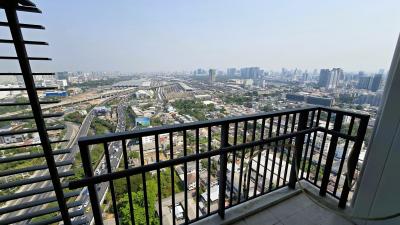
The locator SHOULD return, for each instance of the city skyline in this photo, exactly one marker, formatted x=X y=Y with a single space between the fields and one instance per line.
x=178 y=36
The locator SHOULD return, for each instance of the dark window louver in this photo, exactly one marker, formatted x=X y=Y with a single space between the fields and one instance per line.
x=36 y=192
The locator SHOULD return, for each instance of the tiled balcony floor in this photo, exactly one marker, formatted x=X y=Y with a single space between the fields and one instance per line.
x=297 y=210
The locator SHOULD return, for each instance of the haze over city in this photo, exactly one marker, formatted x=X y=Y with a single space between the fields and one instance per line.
x=135 y=36
x=199 y=112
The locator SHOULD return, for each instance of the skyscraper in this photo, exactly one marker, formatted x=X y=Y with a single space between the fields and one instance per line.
x=231 y=72
x=328 y=79
x=211 y=75
x=250 y=72
x=338 y=76
x=376 y=82
x=364 y=82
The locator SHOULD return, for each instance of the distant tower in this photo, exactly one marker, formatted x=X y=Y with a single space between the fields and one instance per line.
x=329 y=78
x=364 y=82
x=231 y=72
x=211 y=76
x=338 y=75
x=376 y=82
x=326 y=79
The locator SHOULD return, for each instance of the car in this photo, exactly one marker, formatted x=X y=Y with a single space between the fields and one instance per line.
x=85 y=204
x=80 y=207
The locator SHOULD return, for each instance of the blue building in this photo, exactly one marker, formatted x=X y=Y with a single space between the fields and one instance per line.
x=55 y=94
x=142 y=121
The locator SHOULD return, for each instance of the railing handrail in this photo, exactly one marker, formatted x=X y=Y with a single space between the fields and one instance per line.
x=180 y=160
x=98 y=139
x=306 y=126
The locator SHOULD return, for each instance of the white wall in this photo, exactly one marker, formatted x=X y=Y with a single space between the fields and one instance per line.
x=379 y=189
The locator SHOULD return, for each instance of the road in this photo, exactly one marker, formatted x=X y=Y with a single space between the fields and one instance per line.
x=72 y=144
x=115 y=150
x=83 y=130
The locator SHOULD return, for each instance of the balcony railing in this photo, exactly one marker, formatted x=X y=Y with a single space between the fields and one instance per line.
x=222 y=163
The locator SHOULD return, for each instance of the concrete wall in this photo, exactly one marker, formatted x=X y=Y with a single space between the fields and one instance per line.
x=379 y=189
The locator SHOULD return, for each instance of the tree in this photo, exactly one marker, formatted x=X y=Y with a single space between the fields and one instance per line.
x=133 y=154
x=139 y=205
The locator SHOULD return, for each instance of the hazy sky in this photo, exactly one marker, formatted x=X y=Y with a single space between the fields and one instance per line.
x=171 y=35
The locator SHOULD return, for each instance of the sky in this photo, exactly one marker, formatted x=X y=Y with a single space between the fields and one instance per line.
x=176 y=35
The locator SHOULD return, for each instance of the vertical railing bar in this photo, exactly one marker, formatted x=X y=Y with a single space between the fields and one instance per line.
x=197 y=174
x=299 y=142
x=242 y=162
x=307 y=144
x=158 y=179
x=346 y=146
x=282 y=150
x=274 y=156
x=171 y=156
x=146 y=205
x=185 y=177
x=271 y=124
x=331 y=154
x=128 y=182
x=222 y=170
x=111 y=183
x=293 y=123
x=353 y=160
x=321 y=152
x=209 y=171
x=253 y=138
x=94 y=198
x=233 y=164
x=310 y=160
x=259 y=157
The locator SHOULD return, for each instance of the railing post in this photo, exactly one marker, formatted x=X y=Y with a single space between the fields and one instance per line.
x=299 y=142
x=94 y=199
x=222 y=170
x=353 y=160
x=331 y=154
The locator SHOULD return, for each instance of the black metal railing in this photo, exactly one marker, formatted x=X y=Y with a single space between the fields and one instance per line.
x=213 y=165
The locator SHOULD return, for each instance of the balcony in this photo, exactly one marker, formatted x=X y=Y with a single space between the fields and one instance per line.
x=227 y=170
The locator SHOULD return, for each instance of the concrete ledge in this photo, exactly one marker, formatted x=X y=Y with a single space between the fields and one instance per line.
x=250 y=207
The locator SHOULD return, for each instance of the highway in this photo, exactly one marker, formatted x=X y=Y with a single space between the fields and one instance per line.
x=72 y=144
x=83 y=130
x=115 y=150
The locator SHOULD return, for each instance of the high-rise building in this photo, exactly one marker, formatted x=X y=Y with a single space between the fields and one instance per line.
x=328 y=79
x=211 y=75
x=364 y=82
x=376 y=82
x=231 y=72
x=250 y=72
x=338 y=75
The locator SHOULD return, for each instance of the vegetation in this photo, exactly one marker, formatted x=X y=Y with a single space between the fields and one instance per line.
x=75 y=117
x=156 y=121
x=194 y=108
x=46 y=216
x=7 y=109
x=137 y=195
x=267 y=108
x=101 y=126
x=98 y=83
x=139 y=205
x=130 y=118
x=133 y=154
x=96 y=153
x=237 y=99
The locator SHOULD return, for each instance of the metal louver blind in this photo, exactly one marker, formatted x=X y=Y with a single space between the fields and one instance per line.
x=32 y=185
